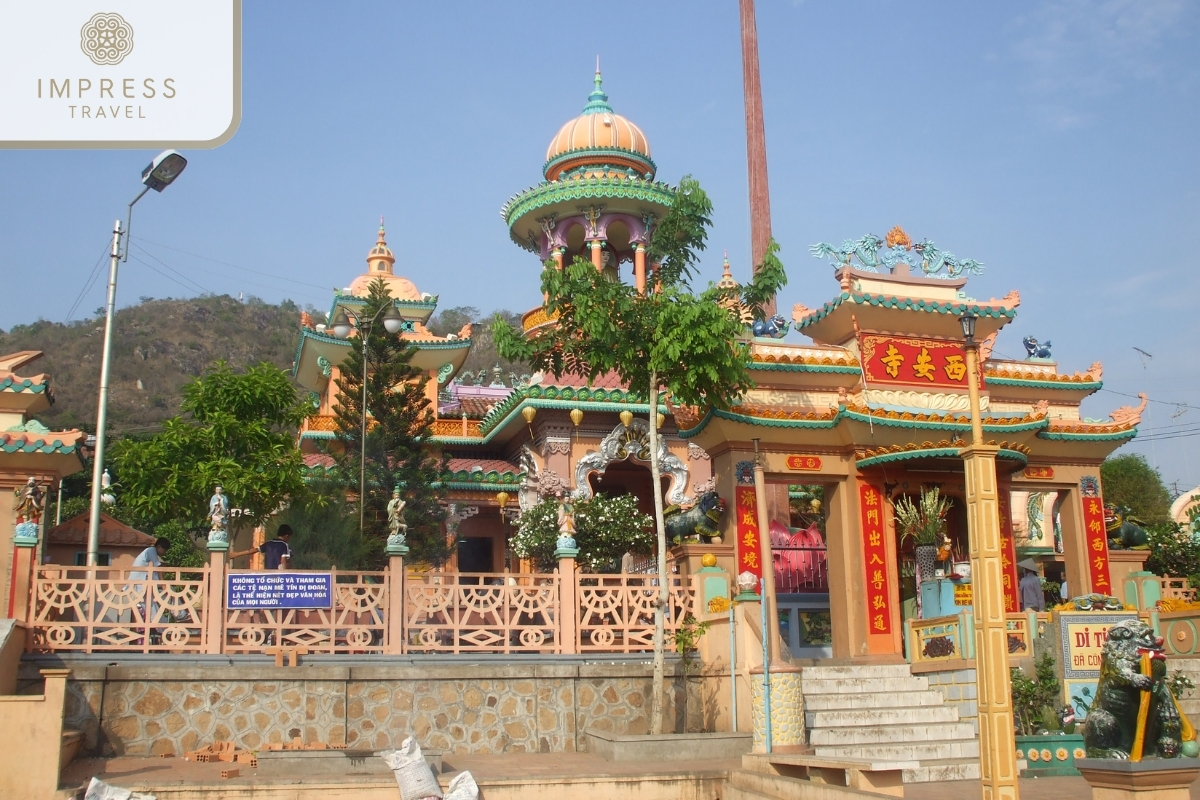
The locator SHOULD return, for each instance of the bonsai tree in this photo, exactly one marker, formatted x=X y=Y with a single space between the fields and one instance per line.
x=605 y=529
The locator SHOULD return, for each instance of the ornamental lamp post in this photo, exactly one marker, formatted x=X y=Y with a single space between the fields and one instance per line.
x=392 y=323
x=158 y=175
x=997 y=756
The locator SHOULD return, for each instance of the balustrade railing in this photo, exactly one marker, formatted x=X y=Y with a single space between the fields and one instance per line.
x=100 y=609
x=355 y=622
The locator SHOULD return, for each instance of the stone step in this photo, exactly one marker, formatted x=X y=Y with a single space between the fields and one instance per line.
x=903 y=751
x=858 y=717
x=894 y=734
x=869 y=671
x=745 y=784
x=946 y=769
x=864 y=685
x=862 y=700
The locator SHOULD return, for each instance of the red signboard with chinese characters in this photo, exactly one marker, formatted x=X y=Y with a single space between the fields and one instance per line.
x=879 y=611
x=1096 y=535
x=914 y=362
x=1039 y=472
x=749 y=552
x=1008 y=556
x=807 y=463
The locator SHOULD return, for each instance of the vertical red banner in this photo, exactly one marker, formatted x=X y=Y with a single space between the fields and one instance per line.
x=748 y=552
x=1095 y=534
x=1008 y=555
x=879 y=612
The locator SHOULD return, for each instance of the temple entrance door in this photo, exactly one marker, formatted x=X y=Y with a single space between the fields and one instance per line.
x=629 y=477
x=797 y=515
x=475 y=554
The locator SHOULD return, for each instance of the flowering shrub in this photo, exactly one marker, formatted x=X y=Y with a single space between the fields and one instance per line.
x=605 y=529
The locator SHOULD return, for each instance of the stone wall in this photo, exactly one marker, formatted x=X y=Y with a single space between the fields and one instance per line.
x=142 y=708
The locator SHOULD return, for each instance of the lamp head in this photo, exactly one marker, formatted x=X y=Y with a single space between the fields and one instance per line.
x=163 y=170
x=967 y=321
x=392 y=321
x=341 y=324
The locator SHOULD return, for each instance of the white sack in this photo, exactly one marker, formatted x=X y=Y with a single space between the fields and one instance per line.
x=463 y=787
x=415 y=778
x=99 y=790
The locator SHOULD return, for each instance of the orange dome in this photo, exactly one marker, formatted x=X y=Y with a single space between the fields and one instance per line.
x=380 y=261
x=599 y=137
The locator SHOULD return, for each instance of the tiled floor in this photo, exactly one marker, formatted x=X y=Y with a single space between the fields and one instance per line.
x=1030 y=788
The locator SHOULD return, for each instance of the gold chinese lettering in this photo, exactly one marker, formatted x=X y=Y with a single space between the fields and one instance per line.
x=893 y=360
x=873 y=539
x=955 y=369
x=924 y=366
x=878 y=602
x=873 y=516
x=748 y=519
x=1098 y=544
x=750 y=559
x=878 y=623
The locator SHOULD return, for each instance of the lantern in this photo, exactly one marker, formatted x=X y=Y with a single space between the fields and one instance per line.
x=502 y=499
x=626 y=417
x=661 y=419
x=529 y=412
x=576 y=416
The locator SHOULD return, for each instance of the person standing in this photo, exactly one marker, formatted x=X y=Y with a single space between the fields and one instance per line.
x=150 y=557
x=1032 y=595
x=277 y=553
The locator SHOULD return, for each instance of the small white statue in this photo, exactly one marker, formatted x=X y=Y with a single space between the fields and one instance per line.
x=218 y=509
x=395 y=511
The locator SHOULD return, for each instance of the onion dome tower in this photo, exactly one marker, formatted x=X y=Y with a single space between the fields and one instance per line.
x=380 y=263
x=599 y=198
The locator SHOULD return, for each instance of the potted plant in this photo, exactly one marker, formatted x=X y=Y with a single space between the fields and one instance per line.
x=1046 y=737
x=924 y=522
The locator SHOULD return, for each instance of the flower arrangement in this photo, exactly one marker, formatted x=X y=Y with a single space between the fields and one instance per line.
x=923 y=522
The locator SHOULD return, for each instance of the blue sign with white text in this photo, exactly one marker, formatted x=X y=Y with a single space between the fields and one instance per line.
x=279 y=590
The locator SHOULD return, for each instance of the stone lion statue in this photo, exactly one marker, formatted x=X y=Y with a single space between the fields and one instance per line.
x=1112 y=721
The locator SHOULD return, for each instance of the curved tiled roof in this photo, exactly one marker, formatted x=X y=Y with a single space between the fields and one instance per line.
x=113 y=533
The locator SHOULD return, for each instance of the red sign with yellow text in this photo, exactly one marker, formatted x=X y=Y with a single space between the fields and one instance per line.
x=749 y=552
x=1096 y=536
x=1008 y=557
x=915 y=362
x=807 y=463
x=1039 y=472
x=879 y=612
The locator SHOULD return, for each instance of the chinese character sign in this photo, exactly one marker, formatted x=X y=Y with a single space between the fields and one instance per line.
x=1008 y=556
x=1096 y=535
x=806 y=463
x=879 y=612
x=916 y=362
x=749 y=554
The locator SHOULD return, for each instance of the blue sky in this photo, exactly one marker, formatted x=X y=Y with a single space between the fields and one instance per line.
x=1053 y=141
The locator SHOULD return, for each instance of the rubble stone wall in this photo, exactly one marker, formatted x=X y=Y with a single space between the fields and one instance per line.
x=148 y=709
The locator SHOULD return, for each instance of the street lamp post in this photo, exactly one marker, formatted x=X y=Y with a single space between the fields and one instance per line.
x=997 y=756
x=392 y=323
x=161 y=172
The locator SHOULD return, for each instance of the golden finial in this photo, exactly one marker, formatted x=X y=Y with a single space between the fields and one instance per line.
x=896 y=237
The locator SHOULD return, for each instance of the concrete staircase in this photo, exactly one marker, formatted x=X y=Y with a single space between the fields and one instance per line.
x=886 y=713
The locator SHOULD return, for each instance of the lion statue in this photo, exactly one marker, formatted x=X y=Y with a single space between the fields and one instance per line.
x=1112 y=721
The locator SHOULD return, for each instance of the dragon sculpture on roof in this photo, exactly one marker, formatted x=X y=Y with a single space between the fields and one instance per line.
x=894 y=250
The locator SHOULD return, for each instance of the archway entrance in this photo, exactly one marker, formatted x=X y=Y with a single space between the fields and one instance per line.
x=629 y=477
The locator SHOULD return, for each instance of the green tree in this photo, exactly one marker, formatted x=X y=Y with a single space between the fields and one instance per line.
x=1128 y=480
x=669 y=339
x=1174 y=552
x=239 y=431
x=605 y=529
x=399 y=453
x=325 y=531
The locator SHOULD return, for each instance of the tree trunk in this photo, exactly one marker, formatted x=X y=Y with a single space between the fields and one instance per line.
x=660 y=655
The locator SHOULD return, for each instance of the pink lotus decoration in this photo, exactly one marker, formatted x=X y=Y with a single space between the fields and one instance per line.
x=799 y=559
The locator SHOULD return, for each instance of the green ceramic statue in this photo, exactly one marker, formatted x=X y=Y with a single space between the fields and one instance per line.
x=1134 y=714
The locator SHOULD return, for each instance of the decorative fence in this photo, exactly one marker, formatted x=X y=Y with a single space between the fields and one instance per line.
x=98 y=609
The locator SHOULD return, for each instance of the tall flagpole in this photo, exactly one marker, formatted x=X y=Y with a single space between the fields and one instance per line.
x=756 y=142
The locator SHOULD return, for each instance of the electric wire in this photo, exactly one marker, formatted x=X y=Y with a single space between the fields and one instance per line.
x=222 y=275
x=150 y=266
x=88 y=284
x=235 y=266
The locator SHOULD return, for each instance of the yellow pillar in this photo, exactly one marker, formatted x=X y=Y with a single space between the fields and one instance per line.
x=997 y=755
x=214 y=604
x=395 y=612
x=639 y=268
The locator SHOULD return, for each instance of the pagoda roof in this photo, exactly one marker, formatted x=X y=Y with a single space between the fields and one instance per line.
x=113 y=532
x=434 y=353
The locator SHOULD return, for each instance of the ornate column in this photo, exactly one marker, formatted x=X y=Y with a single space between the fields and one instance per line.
x=639 y=267
x=25 y=542
x=997 y=762
x=597 y=253
x=568 y=603
x=396 y=551
x=557 y=254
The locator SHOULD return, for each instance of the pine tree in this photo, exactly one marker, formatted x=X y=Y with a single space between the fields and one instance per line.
x=399 y=452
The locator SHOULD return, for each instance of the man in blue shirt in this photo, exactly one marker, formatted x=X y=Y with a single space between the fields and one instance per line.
x=277 y=553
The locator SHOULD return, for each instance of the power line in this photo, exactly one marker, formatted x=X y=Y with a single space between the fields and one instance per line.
x=236 y=266
x=177 y=272
x=218 y=274
x=1160 y=402
x=88 y=284
x=168 y=277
